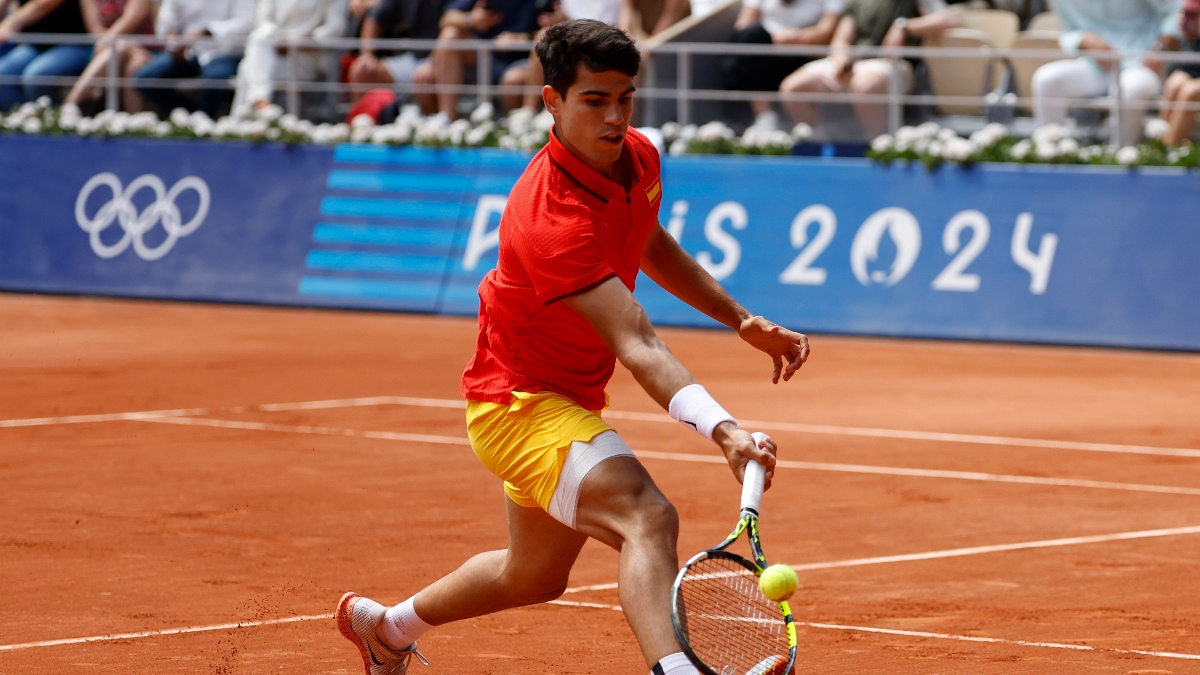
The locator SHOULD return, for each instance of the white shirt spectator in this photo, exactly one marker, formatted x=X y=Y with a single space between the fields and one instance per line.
x=228 y=21
x=608 y=11
x=778 y=17
x=281 y=20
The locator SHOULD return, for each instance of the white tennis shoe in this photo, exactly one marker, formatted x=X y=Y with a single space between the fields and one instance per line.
x=357 y=619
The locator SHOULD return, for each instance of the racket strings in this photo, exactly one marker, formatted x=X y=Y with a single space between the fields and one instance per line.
x=729 y=623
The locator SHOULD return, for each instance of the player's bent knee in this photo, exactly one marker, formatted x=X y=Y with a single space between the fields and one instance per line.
x=657 y=517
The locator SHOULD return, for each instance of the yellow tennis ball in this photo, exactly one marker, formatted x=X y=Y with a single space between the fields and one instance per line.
x=778 y=582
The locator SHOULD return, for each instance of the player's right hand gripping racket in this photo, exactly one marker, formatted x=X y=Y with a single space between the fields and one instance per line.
x=722 y=620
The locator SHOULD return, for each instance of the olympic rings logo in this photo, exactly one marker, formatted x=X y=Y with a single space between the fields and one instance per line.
x=134 y=224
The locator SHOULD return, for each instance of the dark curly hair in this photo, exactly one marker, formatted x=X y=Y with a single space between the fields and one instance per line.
x=595 y=44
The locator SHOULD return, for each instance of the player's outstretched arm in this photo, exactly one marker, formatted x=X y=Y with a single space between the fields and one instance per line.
x=665 y=261
x=623 y=325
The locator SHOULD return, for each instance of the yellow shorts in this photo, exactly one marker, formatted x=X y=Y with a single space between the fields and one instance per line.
x=526 y=442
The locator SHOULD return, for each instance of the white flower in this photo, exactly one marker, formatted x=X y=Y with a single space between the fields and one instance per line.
x=990 y=135
x=533 y=140
x=1174 y=156
x=946 y=134
x=163 y=129
x=543 y=121
x=883 y=143
x=341 y=132
x=670 y=131
x=1050 y=133
x=754 y=138
x=227 y=126
x=483 y=113
x=360 y=134
x=996 y=129
x=780 y=138
x=68 y=123
x=1068 y=146
x=1156 y=128
x=33 y=125
x=70 y=110
x=1128 y=156
x=143 y=122
x=678 y=147
x=1020 y=150
x=179 y=117
x=118 y=123
x=715 y=131
x=269 y=112
x=958 y=149
x=43 y=102
x=198 y=119
x=508 y=142
x=802 y=132
x=360 y=121
x=929 y=130
x=477 y=136
x=86 y=126
x=1046 y=151
x=688 y=132
x=203 y=126
x=289 y=122
x=933 y=148
x=907 y=136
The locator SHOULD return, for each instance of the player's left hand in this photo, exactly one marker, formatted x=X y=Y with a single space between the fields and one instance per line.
x=779 y=342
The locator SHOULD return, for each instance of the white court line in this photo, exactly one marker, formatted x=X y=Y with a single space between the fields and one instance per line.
x=936 y=636
x=970 y=439
x=928 y=473
x=166 y=631
x=368 y=401
x=961 y=552
x=323 y=431
x=109 y=417
x=595 y=605
x=699 y=459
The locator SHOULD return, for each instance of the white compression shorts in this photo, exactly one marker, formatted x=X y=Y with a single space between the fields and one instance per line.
x=581 y=459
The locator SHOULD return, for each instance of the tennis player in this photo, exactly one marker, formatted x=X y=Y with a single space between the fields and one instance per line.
x=555 y=316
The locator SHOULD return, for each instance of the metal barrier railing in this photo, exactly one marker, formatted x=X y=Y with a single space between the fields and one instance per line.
x=681 y=92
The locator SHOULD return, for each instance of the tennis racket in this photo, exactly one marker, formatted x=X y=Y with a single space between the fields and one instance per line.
x=722 y=620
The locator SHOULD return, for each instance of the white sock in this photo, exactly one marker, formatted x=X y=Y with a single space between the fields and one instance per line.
x=401 y=626
x=674 y=664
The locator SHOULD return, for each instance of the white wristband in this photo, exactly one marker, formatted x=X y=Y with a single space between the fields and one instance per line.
x=694 y=407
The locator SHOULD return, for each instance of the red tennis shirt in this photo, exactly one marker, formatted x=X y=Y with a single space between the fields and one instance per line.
x=565 y=229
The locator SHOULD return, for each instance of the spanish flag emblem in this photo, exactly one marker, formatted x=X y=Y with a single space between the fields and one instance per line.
x=654 y=191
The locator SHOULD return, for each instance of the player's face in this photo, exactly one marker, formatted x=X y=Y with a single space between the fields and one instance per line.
x=593 y=118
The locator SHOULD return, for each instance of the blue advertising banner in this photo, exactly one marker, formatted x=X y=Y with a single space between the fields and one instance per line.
x=1040 y=254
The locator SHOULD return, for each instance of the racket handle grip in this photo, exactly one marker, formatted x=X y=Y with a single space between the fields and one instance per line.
x=753 y=480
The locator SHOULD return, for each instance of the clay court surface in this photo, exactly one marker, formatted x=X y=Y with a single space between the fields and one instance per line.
x=191 y=488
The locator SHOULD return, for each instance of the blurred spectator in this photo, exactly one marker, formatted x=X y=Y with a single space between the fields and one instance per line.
x=267 y=59
x=220 y=26
x=110 y=18
x=655 y=16
x=886 y=23
x=1137 y=28
x=33 y=60
x=1183 y=86
x=779 y=22
x=613 y=12
x=1024 y=9
x=396 y=19
x=504 y=22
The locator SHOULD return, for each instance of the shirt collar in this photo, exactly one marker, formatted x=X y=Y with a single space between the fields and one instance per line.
x=590 y=179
